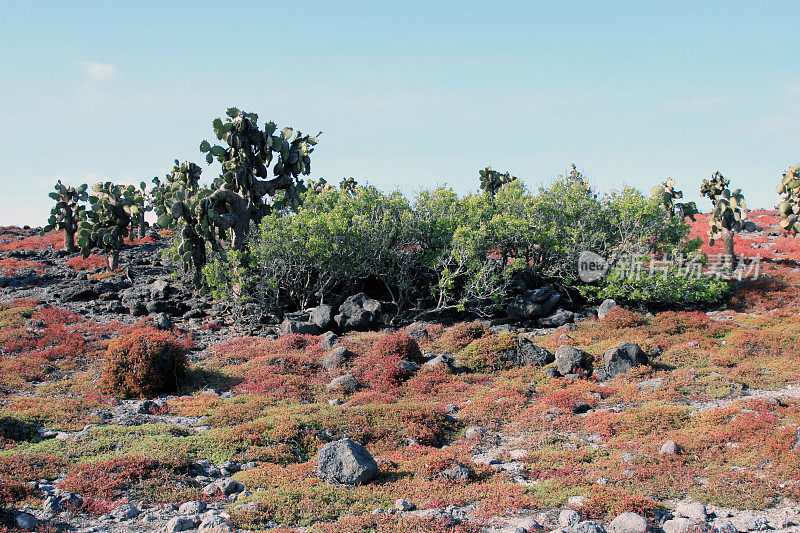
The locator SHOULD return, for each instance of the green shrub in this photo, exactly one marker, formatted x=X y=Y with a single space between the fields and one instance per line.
x=486 y=354
x=666 y=287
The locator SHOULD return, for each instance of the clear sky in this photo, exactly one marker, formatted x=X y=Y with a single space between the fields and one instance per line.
x=408 y=94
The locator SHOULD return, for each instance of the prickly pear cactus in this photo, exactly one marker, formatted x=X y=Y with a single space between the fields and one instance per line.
x=68 y=213
x=239 y=198
x=138 y=222
x=180 y=185
x=492 y=180
x=113 y=207
x=348 y=185
x=667 y=194
x=789 y=208
x=729 y=214
x=179 y=205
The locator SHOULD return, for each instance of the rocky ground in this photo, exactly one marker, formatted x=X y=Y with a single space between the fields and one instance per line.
x=576 y=420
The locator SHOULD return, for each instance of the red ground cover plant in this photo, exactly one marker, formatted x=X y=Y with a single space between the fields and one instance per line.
x=458 y=336
x=143 y=364
x=89 y=263
x=31 y=241
x=106 y=480
x=382 y=368
x=10 y=266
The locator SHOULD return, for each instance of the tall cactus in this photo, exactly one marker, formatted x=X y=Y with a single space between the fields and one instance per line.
x=348 y=185
x=180 y=185
x=138 y=223
x=239 y=198
x=180 y=198
x=492 y=180
x=667 y=194
x=67 y=214
x=109 y=220
x=728 y=216
x=789 y=208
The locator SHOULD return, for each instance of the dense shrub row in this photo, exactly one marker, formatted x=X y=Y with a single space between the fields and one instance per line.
x=440 y=249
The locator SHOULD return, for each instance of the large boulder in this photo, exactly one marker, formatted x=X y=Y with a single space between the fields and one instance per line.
x=621 y=359
x=346 y=382
x=346 y=461
x=605 y=308
x=336 y=358
x=557 y=319
x=570 y=360
x=534 y=303
x=359 y=312
x=81 y=291
x=526 y=353
x=321 y=316
x=297 y=326
x=629 y=523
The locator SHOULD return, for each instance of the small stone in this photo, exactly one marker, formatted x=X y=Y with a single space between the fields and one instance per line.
x=696 y=512
x=179 y=523
x=629 y=523
x=568 y=518
x=605 y=308
x=588 y=526
x=336 y=358
x=347 y=461
x=749 y=522
x=26 y=521
x=678 y=524
x=403 y=505
x=347 y=382
x=474 y=433
x=125 y=511
x=192 y=507
x=669 y=448
x=215 y=524
x=456 y=473
x=518 y=454
x=577 y=501
x=163 y=321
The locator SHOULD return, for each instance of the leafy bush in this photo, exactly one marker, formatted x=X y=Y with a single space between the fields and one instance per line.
x=143 y=364
x=382 y=368
x=458 y=337
x=440 y=250
x=665 y=287
x=485 y=354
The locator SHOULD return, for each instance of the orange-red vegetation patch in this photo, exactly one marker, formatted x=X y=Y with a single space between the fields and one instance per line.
x=30 y=241
x=9 y=266
x=144 y=363
x=88 y=263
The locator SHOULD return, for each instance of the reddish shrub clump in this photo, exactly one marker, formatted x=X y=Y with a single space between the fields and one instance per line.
x=107 y=479
x=89 y=263
x=383 y=367
x=619 y=318
x=460 y=335
x=144 y=363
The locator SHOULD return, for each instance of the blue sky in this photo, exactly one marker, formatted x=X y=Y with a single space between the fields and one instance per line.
x=408 y=94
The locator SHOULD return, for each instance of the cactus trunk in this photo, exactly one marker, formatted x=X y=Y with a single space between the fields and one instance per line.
x=113 y=260
x=729 y=256
x=69 y=241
